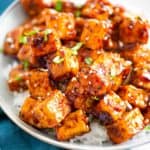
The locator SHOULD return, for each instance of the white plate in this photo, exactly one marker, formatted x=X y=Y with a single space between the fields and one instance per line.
x=14 y=16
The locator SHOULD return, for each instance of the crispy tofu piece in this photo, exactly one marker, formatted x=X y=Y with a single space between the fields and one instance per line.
x=63 y=63
x=34 y=7
x=74 y=124
x=110 y=108
x=93 y=32
x=141 y=75
x=126 y=127
x=106 y=73
x=135 y=96
x=133 y=31
x=146 y=114
x=18 y=78
x=64 y=24
x=99 y=9
x=39 y=84
x=40 y=44
x=47 y=113
x=111 y=69
x=137 y=55
x=11 y=43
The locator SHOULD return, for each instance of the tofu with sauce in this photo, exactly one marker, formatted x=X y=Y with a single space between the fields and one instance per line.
x=47 y=113
x=64 y=24
x=63 y=63
x=93 y=34
x=99 y=9
x=110 y=108
x=106 y=73
x=135 y=96
x=133 y=31
x=75 y=124
x=125 y=128
x=39 y=44
x=39 y=84
x=18 y=78
x=11 y=43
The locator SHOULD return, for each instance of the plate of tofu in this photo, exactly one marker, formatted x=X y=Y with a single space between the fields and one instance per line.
x=76 y=74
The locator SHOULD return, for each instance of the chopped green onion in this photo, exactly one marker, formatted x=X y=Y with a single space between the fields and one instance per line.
x=95 y=98
x=46 y=33
x=25 y=64
x=88 y=60
x=78 y=13
x=59 y=5
x=32 y=32
x=1 y=50
x=23 y=40
x=147 y=128
x=58 y=60
x=76 y=48
x=138 y=18
x=18 y=78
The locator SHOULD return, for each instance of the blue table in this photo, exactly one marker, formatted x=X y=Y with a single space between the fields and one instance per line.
x=11 y=137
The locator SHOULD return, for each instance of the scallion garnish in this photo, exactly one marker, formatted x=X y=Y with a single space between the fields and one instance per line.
x=77 y=13
x=46 y=33
x=58 y=60
x=76 y=48
x=23 y=40
x=25 y=64
x=147 y=128
x=59 y=6
x=95 y=98
x=31 y=32
x=88 y=60
x=18 y=78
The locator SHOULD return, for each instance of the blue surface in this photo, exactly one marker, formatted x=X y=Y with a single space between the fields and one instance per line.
x=11 y=137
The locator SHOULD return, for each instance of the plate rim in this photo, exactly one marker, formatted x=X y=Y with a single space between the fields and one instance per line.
x=49 y=140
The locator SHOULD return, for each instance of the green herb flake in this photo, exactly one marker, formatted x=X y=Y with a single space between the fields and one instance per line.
x=23 y=40
x=25 y=64
x=46 y=33
x=33 y=32
x=88 y=60
x=95 y=98
x=58 y=60
x=147 y=128
x=59 y=6
x=76 y=48
x=1 y=50
x=18 y=78
x=77 y=13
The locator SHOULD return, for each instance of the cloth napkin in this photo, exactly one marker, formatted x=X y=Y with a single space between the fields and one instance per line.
x=11 y=137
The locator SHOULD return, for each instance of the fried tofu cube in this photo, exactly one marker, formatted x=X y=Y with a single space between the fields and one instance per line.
x=133 y=31
x=34 y=7
x=39 y=84
x=141 y=75
x=74 y=124
x=93 y=32
x=138 y=55
x=47 y=113
x=135 y=96
x=110 y=108
x=99 y=9
x=11 y=43
x=64 y=24
x=111 y=69
x=125 y=128
x=146 y=114
x=63 y=63
x=106 y=73
x=18 y=78
x=40 y=44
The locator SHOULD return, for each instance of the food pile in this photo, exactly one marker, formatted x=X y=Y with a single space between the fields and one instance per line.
x=81 y=61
